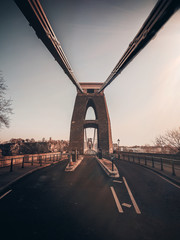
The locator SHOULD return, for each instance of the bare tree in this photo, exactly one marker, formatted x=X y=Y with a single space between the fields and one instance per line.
x=5 y=104
x=170 y=139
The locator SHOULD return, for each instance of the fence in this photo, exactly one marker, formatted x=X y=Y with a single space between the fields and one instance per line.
x=163 y=164
x=23 y=160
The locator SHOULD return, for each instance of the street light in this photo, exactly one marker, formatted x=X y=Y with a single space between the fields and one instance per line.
x=118 y=148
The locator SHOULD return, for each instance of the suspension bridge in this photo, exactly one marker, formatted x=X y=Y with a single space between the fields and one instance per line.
x=92 y=94
x=51 y=203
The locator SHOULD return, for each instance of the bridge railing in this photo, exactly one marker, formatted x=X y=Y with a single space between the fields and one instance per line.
x=31 y=159
x=171 y=166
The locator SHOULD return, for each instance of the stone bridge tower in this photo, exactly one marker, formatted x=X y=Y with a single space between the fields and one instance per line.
x=90 y=98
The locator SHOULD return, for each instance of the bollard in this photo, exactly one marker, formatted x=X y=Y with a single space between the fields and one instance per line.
x=139 y=160
x=75 y=155
x=161 y=164
x=53 y=158
x=173 y=169
x=11 y=167
x=23 y=163
x=70 y=160
x=112 y=160
x=32 y=161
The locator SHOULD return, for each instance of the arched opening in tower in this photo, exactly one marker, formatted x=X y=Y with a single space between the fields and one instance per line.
x=90 y=140
x=90 y=114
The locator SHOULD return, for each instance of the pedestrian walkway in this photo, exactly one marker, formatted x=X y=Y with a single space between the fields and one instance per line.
x=164 y=170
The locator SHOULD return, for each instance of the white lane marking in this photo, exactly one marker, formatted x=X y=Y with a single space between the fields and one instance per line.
x=170 y=182
x=126 y=205
x=117 y=181
x=132 y=198
x=163 y=178
x=116 y=200
x=5 y=194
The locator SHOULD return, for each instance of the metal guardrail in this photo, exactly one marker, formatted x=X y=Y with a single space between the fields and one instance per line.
x=172 y=165
x=31 y=159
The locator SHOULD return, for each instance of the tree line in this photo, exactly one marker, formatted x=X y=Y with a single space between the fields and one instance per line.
x=30 y=146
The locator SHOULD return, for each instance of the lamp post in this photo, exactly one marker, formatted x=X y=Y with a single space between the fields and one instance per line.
x=118 y=148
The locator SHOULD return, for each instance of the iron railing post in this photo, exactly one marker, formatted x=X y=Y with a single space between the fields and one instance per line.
x=173 y=169
x=11 y=167
x=40 y=160
x=161 y=164
x=152 y=162
x=145 y=161
x=23 y=162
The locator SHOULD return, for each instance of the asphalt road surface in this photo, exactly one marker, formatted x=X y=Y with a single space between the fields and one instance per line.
x=86 y=204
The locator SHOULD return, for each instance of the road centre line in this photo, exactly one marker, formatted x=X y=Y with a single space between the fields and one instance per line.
x=116 y=200
x=5 y=194
x=132 y=198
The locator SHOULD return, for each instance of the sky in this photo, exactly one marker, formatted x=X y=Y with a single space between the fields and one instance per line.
x=143 y=101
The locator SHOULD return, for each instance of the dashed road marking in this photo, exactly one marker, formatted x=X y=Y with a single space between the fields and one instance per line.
x=116 y=200
x=117 y=181
x=5 y=194
x=126 y=205
x=132 y=198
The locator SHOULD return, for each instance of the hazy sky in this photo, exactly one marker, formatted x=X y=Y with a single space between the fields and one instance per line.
x=143 y=101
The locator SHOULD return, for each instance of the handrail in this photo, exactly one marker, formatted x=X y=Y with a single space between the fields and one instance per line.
x=152 y=161
x=42 y=158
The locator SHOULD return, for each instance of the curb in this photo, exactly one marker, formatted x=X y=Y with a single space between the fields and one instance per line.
x=110 y=173
x=156 y=171
x=25 y=174
x=72 y=168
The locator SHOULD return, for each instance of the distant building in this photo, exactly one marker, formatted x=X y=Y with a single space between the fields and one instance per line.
x=145 y=149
